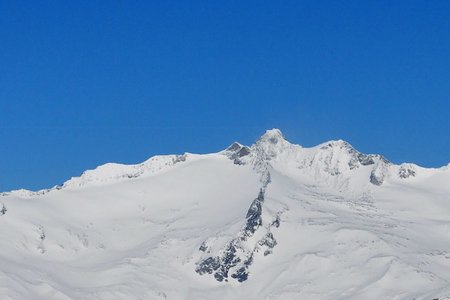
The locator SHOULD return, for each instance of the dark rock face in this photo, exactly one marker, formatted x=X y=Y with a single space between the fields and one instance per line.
x=236 y=151
x=237 y=256
x=366 y=160
x=244 y=151
x=234 y=147
x=253 y=217
x=359 y=158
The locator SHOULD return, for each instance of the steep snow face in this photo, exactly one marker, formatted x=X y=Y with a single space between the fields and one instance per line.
x=271 y=221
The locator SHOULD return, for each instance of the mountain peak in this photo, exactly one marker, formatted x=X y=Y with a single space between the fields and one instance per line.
x=272 y=136
x=271 y=143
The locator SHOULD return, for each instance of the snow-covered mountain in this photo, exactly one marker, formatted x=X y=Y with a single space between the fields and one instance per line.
x=271 y=221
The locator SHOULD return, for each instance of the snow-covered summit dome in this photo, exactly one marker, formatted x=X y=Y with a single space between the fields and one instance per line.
x=272 y=136
x=271 y=144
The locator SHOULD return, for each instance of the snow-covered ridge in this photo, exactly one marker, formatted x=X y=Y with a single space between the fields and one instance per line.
x=111 y=172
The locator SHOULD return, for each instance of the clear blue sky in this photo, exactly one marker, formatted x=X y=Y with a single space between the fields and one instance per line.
x=88 y=82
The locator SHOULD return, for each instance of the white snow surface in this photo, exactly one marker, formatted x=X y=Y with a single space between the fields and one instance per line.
x=351 y=226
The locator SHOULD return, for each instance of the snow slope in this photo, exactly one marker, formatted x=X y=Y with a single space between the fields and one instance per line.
x=270 y=221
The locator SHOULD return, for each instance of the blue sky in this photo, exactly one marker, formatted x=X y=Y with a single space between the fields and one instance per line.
x=88 y=82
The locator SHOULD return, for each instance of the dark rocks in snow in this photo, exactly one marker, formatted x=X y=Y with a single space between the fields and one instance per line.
x=229 y=255
x=376 y=179
x=244 y=151
x=365 y=160
x=334 y=172
x=379 y=173
x=203 y=247
x=229 y=260
x=41 y=232
x=266 y=179
x=42 y=236
x=208 y=265
x=221 y=265
x=241 y=274
x=236 y=151
x=3 y=210
x=406 y=172
x=276 y=222
x=179 y=158
x=237 y=256
x=359 y=158
x=268 y=241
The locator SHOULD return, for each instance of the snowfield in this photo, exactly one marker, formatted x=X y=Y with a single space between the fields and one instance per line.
x=270 y=221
